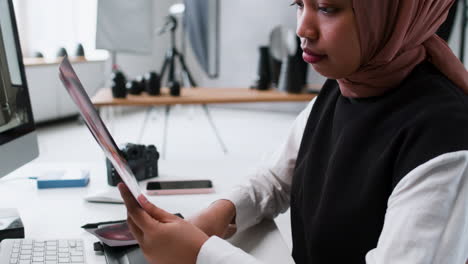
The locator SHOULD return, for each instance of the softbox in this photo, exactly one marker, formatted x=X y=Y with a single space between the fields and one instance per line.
x=125 y=26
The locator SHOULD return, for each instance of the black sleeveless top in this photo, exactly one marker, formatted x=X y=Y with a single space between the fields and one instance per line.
x=355 y=151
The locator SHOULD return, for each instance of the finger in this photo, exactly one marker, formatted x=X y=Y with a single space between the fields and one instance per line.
x=136 y=232
x=230 y=231
x=142 y=219
x=156 y=212
x=125 y=193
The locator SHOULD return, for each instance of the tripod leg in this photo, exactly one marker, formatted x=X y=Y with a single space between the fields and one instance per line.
x=213 y=126
x=166 y=121
x=185 y=69
x=145 y=122
x=167 y=60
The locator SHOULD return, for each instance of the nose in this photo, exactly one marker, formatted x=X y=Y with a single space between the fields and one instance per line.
x=307 y=25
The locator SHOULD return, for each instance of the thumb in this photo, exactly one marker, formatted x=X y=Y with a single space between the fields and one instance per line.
x=154 y=211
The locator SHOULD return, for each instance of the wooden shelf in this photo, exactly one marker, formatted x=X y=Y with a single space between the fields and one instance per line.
x=200 y=95
x=56 y=61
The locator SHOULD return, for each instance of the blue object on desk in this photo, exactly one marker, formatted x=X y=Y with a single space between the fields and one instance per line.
x=63 y=179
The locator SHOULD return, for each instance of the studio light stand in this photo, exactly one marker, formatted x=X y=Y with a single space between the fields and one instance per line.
x=172 y=55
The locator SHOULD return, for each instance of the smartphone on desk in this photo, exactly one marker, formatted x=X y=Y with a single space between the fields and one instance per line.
x=179 y=187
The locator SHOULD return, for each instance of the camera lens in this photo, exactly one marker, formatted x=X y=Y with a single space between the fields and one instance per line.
x=133 y=152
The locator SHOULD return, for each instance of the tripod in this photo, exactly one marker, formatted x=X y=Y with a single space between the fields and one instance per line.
x=169 y=62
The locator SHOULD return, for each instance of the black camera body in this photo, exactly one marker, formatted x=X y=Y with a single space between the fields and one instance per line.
x=142 y=160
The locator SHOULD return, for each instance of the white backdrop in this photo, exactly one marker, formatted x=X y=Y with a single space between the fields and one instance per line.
x=245 y=25
x=124 y=25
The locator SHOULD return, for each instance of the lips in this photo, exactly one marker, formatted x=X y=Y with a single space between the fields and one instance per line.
x=312 y=57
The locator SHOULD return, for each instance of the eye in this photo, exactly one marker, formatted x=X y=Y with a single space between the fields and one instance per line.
x=327 y=9
x=298 y=4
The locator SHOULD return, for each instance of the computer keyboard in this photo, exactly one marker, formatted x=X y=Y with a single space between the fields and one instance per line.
x=24 y=251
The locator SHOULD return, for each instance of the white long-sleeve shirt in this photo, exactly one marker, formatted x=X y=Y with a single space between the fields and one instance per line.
x=426 y=220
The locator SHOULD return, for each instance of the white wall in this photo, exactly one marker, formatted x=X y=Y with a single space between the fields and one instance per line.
x=245 y=25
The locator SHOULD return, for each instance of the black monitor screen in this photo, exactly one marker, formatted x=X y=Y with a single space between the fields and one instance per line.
x=15 y=107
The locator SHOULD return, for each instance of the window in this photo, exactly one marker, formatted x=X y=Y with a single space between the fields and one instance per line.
x=47 y=25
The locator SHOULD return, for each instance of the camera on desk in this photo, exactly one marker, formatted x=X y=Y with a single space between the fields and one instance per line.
x=142 y=160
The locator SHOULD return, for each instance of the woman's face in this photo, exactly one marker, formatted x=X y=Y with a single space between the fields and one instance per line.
x=329 y=36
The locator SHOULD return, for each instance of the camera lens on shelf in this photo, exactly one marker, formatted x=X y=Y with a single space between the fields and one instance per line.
x=153 y=83
x=118 y=85
x=133 y=87
x=174 y=88
x=141 y=83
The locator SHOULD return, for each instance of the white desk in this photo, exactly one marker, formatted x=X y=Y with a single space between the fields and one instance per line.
x=59 y=213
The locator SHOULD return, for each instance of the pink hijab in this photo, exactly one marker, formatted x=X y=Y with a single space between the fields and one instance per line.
x=395 y=36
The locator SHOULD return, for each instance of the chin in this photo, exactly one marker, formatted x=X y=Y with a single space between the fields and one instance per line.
x=327 y=73
x=330 y=72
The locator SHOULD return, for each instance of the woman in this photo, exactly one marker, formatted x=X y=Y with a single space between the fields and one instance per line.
x=375 y=170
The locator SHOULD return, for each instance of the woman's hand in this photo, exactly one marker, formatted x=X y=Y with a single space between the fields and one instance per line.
x=216 y=220
x=163 y=237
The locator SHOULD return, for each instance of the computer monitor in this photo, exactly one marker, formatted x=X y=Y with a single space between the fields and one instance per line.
x=18 y=140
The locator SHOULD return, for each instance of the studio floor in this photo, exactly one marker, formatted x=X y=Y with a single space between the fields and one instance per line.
x=249 y=135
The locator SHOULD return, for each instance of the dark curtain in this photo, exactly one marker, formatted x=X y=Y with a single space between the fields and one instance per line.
x=198 y=21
